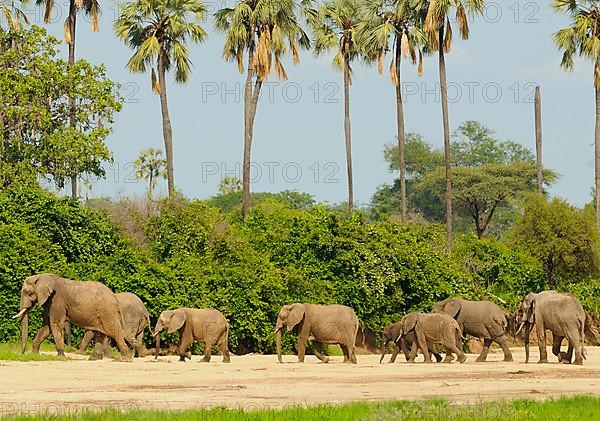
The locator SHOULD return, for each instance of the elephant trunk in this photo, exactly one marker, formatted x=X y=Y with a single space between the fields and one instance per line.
x=527 y=332
x=278 y=344
x=383 y=345
x=24 y=331
x=156 y=344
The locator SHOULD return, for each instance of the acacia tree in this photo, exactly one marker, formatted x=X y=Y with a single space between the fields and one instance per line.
x=150 y=165
x=335 y=25
x=256 y=31
x=394 y=27
x=158 y=31
x=439 y=32
x=582 y=38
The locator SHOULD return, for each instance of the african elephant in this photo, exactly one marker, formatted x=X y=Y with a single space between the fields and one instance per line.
x=89 y=305
x=203 y=325
x=482 y=319
x=434 y=328
x=391 y=333
x=323 y=324
x=563 y=315
x=135 y=319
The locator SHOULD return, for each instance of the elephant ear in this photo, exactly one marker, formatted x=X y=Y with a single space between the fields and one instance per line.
x=452 y=308
x=410 y=322
x=43 y=290
x=295 y=316
x=177 y=320
x=531 y=311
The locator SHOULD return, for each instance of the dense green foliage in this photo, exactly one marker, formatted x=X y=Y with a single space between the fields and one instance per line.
x=196 y=255
x=571 y=408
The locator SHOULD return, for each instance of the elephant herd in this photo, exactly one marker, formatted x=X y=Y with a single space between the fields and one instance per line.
x=123 y=318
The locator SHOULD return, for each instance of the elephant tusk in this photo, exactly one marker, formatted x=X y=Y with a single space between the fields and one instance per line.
x=19 y=314
x=520 y=328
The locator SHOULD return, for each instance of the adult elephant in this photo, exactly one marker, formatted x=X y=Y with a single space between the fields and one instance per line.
x=324 y=324
x=89 y=305
x=392 y=333
x=135 y=320
x=560 y=313
x=204 y=325
x=481 y=319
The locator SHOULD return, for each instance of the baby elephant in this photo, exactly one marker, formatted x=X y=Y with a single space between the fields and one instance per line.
x=203 y=325
x=391 y=333
x=432 y=328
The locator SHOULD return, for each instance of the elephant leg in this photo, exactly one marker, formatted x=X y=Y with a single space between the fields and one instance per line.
x=223 y=348
x=138 y=345
x=395 y=354
x=40 y=337
x=449 y=357
x=569 y=355
x=301 y=347
x=541 y=336
x=575 y=346
x=57 y=328
x=349 y=355
x=98 y=352
x=413 y=353
x=106 y=346
x=459 y=353
x=422 y=341
x=68 y=335
x=556 y=342
x=484 y=352
x=207 y=351
x=184 y=343
x=501 y=340
x=85 y=342
x=319 y=352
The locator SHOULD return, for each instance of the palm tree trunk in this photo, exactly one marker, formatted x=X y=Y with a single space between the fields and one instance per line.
x=247 y=137
x=447 y=158
x=348 y=133
x=167 y=130
x=401 y=134
x=597 y=146
x=73 y=22
x=538 y=139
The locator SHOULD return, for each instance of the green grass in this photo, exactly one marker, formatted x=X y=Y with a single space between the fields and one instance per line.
x=576 y=408
x=11 y=351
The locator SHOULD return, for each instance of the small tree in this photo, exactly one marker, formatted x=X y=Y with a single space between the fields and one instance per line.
x=230 y=184
x=150 y=166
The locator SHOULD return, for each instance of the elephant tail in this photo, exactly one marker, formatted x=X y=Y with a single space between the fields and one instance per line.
x=149 y=324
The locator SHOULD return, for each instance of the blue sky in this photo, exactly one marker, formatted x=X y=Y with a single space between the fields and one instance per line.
x=298 y=141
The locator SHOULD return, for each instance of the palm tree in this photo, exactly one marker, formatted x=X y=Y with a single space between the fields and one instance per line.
x=439 y=32
x=92 y=9
x=394 y=26
x=12 y=15
x=582 y=38
x=230 y=184
x=257 y=30
x=158 y=31
x=150 y=166
x=335 y=25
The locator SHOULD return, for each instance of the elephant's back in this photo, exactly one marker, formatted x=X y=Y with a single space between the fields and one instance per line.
x=210 y=314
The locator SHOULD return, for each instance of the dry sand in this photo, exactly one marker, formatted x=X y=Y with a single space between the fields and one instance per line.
x=257 y=381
